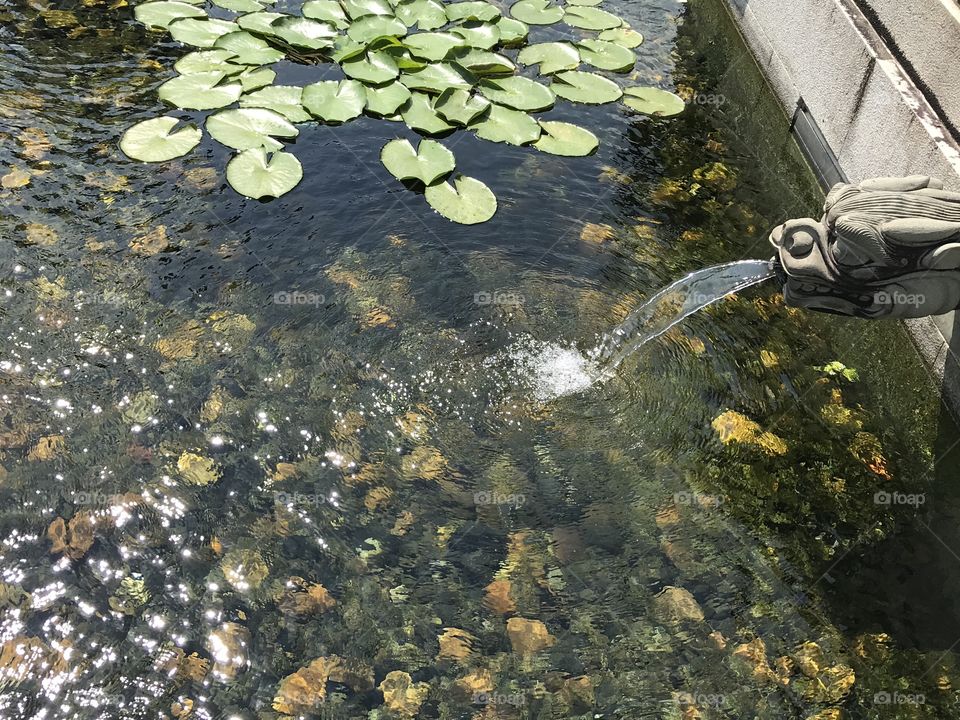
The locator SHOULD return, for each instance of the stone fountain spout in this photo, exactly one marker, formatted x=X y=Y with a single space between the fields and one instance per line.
x=886 y=248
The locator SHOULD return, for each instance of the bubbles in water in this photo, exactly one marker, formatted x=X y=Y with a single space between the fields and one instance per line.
x=553 y=370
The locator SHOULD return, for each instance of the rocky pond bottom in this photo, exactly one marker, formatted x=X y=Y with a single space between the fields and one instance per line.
x=332 y=456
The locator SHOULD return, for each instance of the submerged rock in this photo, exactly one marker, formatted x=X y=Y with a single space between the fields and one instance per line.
x=229 y=645
x=674 y=604
x=306 y=599
x=529 y=637
x=455 y=644
x=131 y=594
x=732 y=427
x=401 y=695
x=498 y=597
x=244 y=569
x=73 y=538
x=197 y=470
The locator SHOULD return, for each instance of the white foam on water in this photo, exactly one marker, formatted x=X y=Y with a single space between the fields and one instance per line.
x=554 y=370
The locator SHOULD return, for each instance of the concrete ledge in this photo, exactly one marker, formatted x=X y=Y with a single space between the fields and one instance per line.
x=827 y=56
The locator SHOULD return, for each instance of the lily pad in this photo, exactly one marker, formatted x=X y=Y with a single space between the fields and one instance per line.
x=536 y=12
x=357 y=9
x=589 y=18
x=434 y=46
x=249 y=49
x=256 y=78
x=200 y=61
x=467 y=201
x=625 y=36
x=584 y=87
x=200 y=91
x=512 y=32
x=336 y=102
x=478 y=34
x=607 y=55
x=460 y=107
x=200 y=33
x=483 y=62
x=420 y=115
x=305 y=33
x=430 y=162
x=252 y=174
x=653 y=101
x=518 y=92
x=438 y=77
x=560 y=138
x=282 y=99
x=260 y=22
x=372 y=27
x=250 y=128
x=375 y=67
x=161 y=14
x=155 y=140
x=241 y=6
x=328 y=11
x=553 y=57
x=387 y=100
x=502 y=124
x=425 y=14
x=472 y=10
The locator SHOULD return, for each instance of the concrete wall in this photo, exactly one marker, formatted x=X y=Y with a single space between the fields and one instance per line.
x=840 y=59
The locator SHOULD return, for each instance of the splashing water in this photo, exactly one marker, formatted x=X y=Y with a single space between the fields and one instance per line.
x=673 y=305
x=553 y=370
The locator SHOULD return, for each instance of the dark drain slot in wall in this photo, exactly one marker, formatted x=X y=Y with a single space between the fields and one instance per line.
x=815 y=149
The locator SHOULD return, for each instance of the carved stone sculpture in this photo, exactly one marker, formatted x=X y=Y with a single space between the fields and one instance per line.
x=888 y=247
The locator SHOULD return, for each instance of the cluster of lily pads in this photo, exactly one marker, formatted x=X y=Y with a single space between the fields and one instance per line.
x=449 y=74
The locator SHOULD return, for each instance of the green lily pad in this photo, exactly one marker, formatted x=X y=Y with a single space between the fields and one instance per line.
x=483 y=62
x=155 y=140
x=376 y=67
x=282 y=99
x=304 y=32
x=624 y=36
x=200 y=91
x=460 y=107
x=386 y=101
x=161 y=14
x=336 y=102
x=345 y=48
x=553 y=57
x=250 y=173
x=479 y=35
x=328 y=11
x=357 y=9
x=518 y=92
x=587 y=3
x=536 y=12
x=200 y=33
x=589 y=18
x=250 y=128
x=249 y=49
x=653 y=101
x=430 y=162
x=256 y=78
x=200 y=61
x=560 y=138
x=472 y=10
x=467 y=201
x=241 y=6
x=512 y=32
x=372 y=27
x=419 y=114
x=433 y=46
x=438 y=77
x=425 y=14
x=260 y=22
x=584 y=87
x=607 y=55
x=502 y=124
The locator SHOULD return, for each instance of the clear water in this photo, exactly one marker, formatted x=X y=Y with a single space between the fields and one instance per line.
x=414 y=430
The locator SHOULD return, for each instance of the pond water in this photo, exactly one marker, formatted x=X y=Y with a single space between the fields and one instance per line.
x=334 y=456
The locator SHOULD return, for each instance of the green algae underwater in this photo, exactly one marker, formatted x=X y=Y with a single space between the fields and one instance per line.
x=292 y=458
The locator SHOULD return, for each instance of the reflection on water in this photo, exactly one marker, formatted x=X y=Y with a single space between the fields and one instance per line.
x=311 y=458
